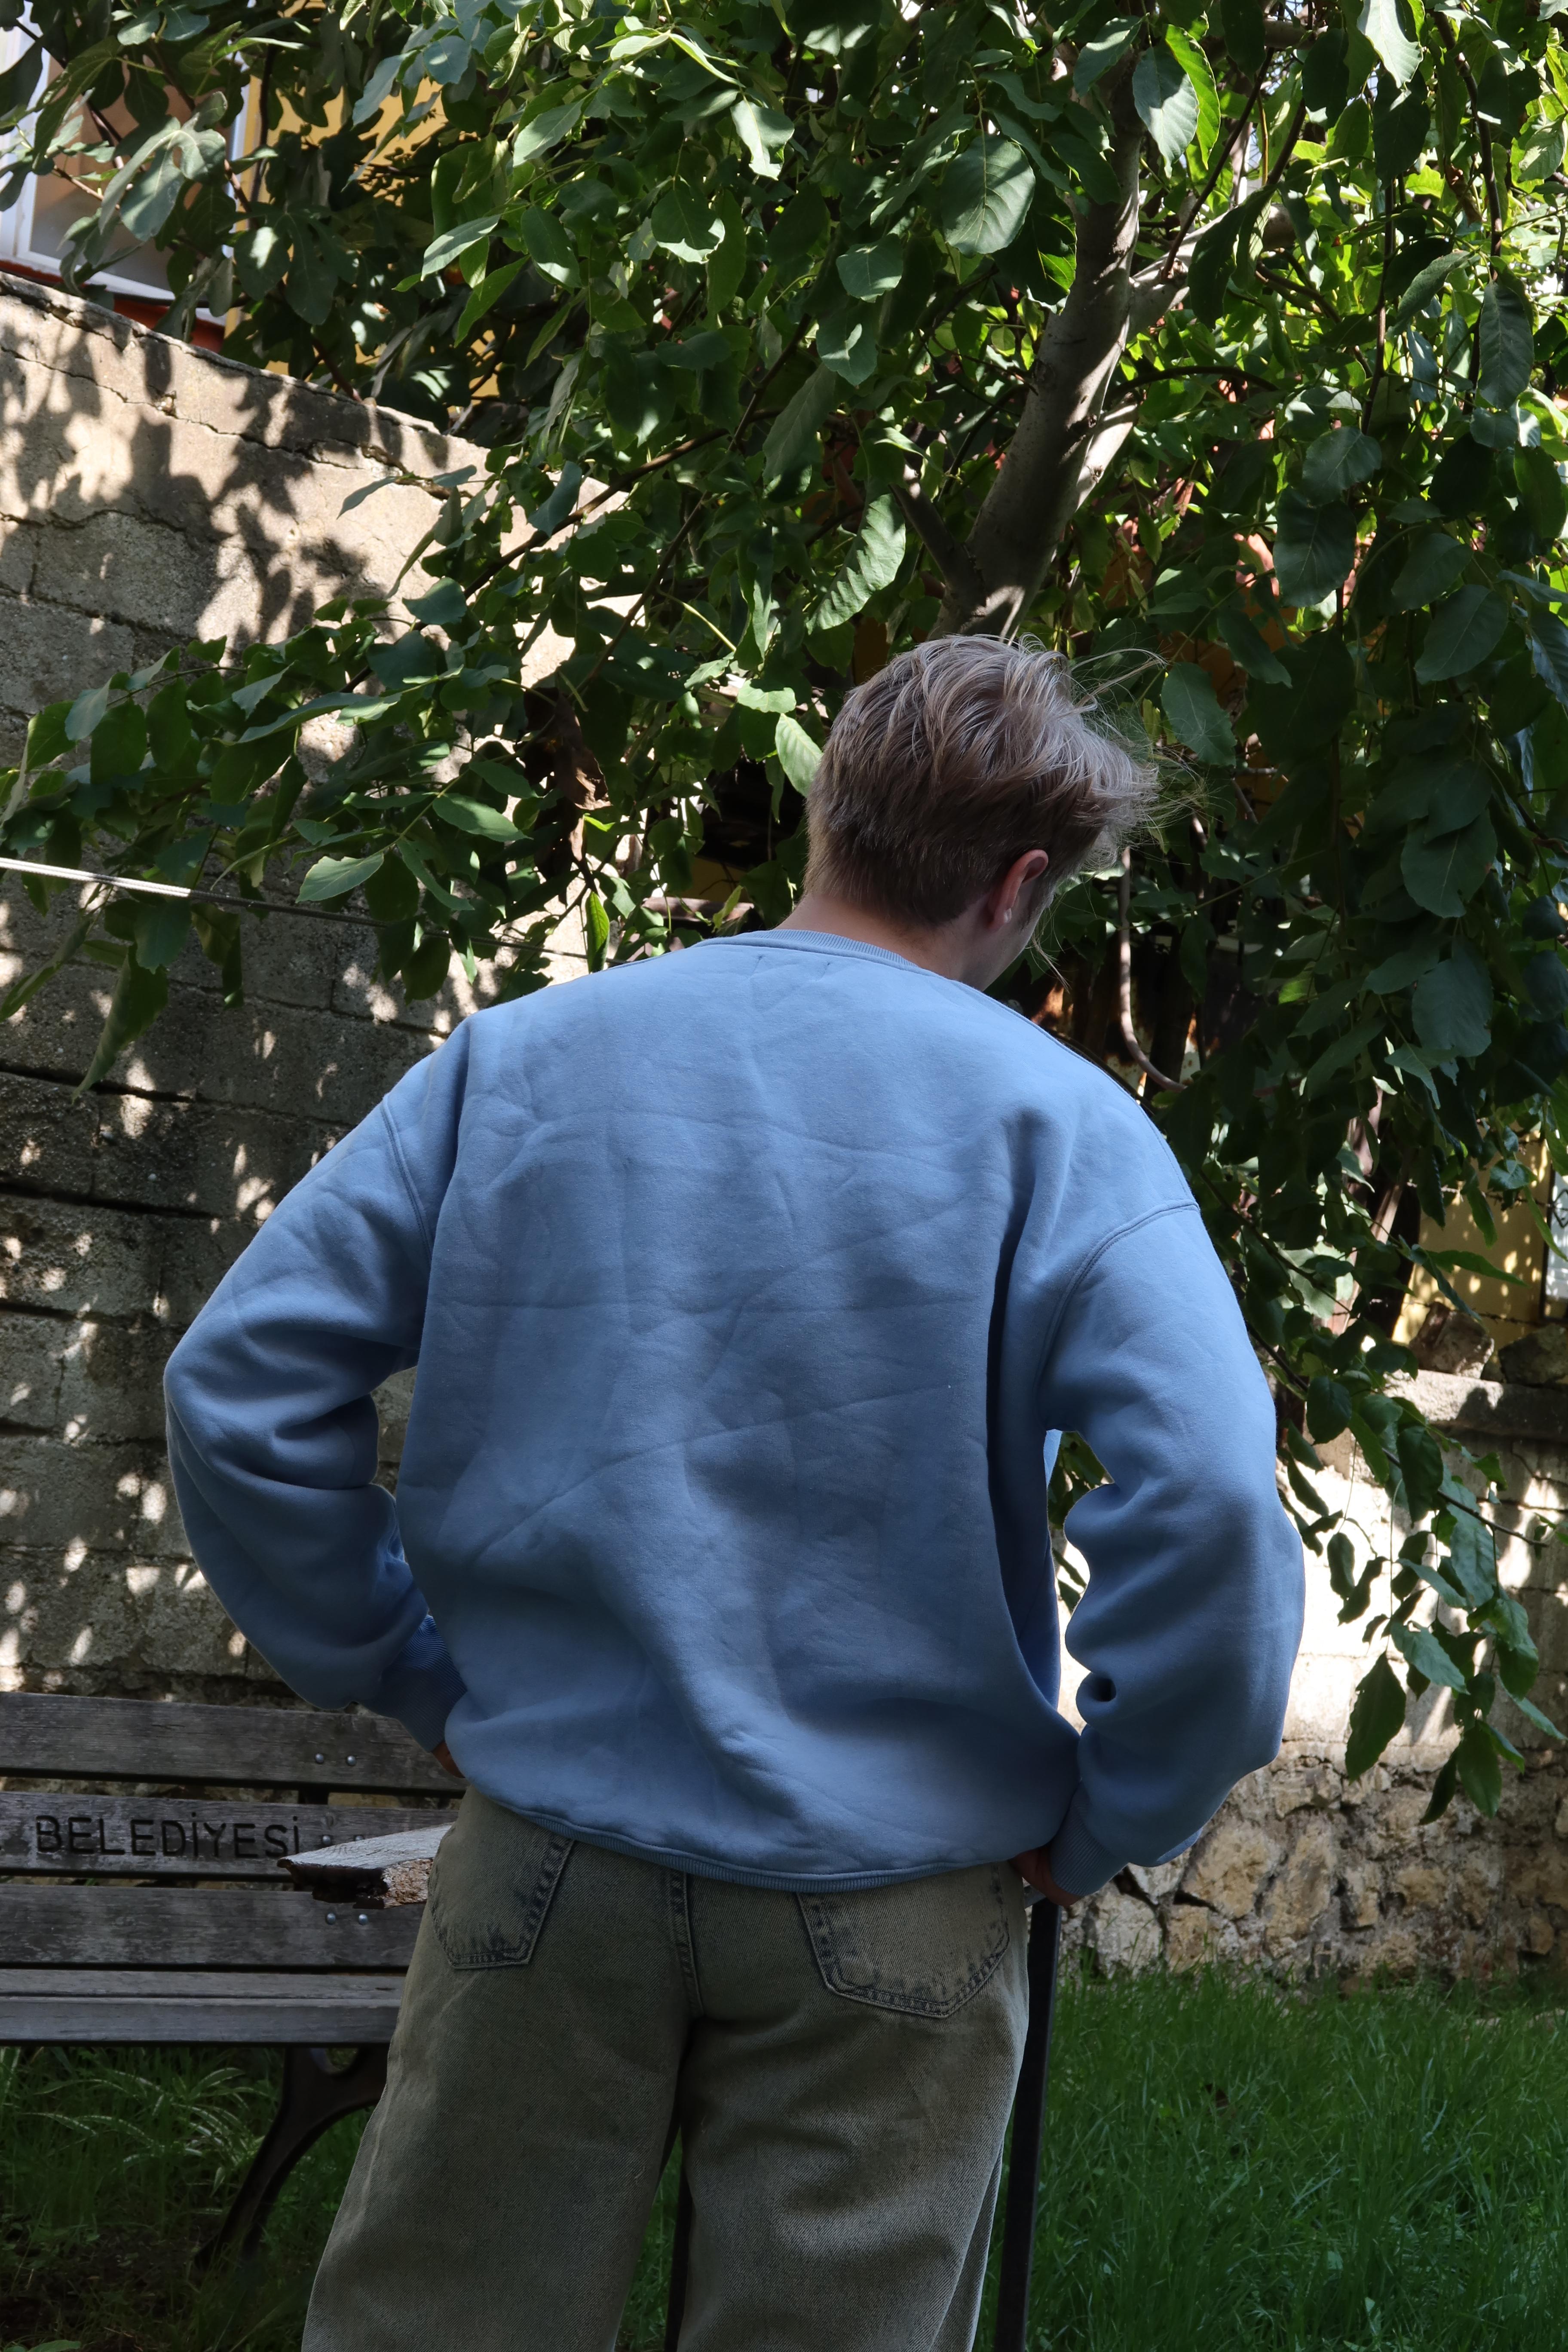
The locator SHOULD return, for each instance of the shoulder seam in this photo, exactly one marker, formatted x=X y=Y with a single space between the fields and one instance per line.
x=1168 y=1209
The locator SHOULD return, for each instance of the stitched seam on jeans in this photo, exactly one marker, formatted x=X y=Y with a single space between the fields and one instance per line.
x=680 y=1931
x=556 y=1855
x=911 y=2004
x=819 y=1929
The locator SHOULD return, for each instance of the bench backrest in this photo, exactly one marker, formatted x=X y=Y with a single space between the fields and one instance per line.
x=181 y=1869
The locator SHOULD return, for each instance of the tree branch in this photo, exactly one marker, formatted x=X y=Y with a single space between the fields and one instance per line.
x=952 y=560
x=1036 y=489
x=1483 y=136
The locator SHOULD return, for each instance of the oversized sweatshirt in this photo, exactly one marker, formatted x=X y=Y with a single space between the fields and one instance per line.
x=747 y=1290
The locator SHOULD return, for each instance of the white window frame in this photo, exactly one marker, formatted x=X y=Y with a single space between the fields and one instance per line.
x=17 y=224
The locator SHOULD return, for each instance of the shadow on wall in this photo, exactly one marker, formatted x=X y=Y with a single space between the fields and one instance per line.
x=149 y=492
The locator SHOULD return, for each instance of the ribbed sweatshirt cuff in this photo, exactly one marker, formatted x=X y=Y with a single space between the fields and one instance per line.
x=1079 y=1864
x=421 y=1686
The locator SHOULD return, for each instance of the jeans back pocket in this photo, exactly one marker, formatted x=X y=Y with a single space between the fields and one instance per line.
x=494 y=1877
x=924 y=1948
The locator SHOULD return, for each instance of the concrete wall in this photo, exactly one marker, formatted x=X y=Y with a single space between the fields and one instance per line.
x=147 y=491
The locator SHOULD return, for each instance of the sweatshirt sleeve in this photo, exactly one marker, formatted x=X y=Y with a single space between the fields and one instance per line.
x=272 y=1426
x=1190 y=1625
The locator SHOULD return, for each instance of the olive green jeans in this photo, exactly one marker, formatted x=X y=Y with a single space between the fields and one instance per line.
x=840 y=2068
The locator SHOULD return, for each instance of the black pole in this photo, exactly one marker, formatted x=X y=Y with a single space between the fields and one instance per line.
x=1028 y=2134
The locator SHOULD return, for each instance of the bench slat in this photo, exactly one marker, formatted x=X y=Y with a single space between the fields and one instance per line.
x=195 y=1927
x=145 y=1739
x=131 y=2005
x=163 y=1837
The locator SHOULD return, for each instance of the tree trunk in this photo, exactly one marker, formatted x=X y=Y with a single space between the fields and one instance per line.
x=1065 y=439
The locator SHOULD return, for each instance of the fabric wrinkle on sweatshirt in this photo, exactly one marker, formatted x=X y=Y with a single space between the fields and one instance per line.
x=747 y=1289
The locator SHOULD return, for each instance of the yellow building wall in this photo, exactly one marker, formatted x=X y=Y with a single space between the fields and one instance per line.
x=1507 y=1309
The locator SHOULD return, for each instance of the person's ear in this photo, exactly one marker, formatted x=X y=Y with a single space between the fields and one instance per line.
x=1018 y=888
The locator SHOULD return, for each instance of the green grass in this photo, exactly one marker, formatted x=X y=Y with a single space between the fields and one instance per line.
x=1228 y=2171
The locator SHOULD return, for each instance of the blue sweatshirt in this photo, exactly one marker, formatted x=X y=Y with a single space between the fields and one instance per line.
x=746 y=1288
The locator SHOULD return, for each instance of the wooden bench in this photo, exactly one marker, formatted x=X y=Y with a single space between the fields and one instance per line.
x=178 y=1908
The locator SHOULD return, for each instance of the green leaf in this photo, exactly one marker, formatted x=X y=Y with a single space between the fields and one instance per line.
x=696 y=352
x=1532 y=1713
x=1188 y=700
x=476 y=817
x=333 y=878
x=1245 y=644
x=1508 y=347
x=984 y=195
x=1429 y=279
x=686 y=223
x=1421 y=1649
x=152 y=196
x=866 y=272
x=1463 y=632
x=1325 y=74
x=1429 y=571
x=1245 y=41
x=1101 y=50
x=1549 y=650
x=546 y=244
x=1313 y=550
x=1452 y=1005
x=761 y=131
x=161 y=928
x=1166 y=101
x=1312 y=708
x=1443 y=872
x=85 y=713
x=1538 y=156
x=873 y=564
x=139 y=997
x=453 y=243
x=796 y=430
x=1480 y=1771
x=1196 y=68
x=1376 y=1718
x=1443 y=1789
x=1390 y=27
x=595 y=931
x=118 y=743
x=798 y=754
x=1337 y=462
x=1472 y=1556
x=481 y=301
x=547 y=518
x=847 y=341
x=544 y=130
x=1421 y=1466
x=312 y=283
x=447 y=60
x=1542 y=494
x=378 y=88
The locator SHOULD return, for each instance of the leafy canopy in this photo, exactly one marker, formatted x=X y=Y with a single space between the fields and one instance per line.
x=1223 y=341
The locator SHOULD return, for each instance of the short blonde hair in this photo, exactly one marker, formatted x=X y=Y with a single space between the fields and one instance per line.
x=955 y=760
